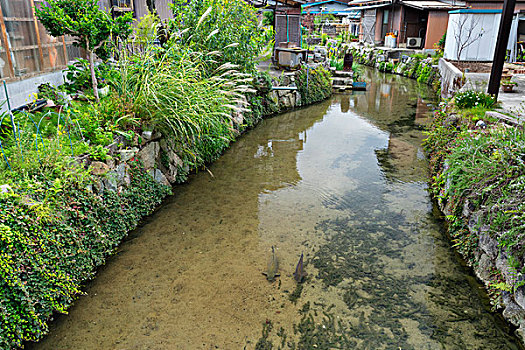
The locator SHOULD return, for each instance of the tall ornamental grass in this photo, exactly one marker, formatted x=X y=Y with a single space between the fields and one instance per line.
x=168 y=90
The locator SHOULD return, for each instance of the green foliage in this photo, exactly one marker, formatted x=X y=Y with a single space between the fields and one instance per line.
x=317 y=88
x=419 y=56
x=484 y=168
x=424 y=74
x=469 y=99
x=385 y=66
x=441 y=42
x=324 y=38
x=168 y=90
x=78 y=76
x=228 y=26
x=489 y=170
x=91 y=27
x=54 y=149
x=147 y=29
x=49 y=248
x=83 y=20
x=268 y=18
x=48 y=92
x=338 y=64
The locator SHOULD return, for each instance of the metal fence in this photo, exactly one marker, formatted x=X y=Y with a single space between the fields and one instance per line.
x=21 y=134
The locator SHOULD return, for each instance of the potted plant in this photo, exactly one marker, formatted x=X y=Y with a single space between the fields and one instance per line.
x=507 y=85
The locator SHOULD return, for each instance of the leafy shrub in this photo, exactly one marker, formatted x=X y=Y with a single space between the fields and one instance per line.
x=48 y=92
x=324 y=39
x=48 y=250
x=228 y=26
x=469 y=99
x=424 y=74
x=268 y=18
x=319 y=84
x=147 y=29
x=78 y=76
x=338 y=64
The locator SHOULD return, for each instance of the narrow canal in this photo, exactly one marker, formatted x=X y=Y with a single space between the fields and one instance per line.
x=343 y=182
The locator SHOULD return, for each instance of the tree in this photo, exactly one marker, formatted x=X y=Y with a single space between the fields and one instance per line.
x=228 y=26
x=466 y=33
x=90 y=26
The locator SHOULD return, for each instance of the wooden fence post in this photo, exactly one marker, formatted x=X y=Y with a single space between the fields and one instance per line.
x=37 y=31
x=6 y=44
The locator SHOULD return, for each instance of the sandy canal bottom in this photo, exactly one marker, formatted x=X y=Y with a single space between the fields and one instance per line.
x=344 y=182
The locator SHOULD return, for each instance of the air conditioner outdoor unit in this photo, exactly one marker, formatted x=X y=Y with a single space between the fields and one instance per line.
x=414 y=42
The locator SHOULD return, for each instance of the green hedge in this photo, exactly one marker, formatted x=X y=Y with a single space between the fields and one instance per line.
x=314 y=85
x=47 y=253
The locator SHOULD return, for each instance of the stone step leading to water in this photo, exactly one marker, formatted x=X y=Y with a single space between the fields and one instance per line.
x=342 y=81
x=340 y=73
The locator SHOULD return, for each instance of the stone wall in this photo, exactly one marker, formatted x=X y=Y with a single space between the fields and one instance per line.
x=490 y=264
x=285 y=99
x=399 y=61
x=470 y=211
x=159 y=155
x=308 y=85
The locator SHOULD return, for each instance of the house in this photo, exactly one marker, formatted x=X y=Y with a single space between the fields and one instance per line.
x=416 y=24
x=472 y=35
x=346 y=17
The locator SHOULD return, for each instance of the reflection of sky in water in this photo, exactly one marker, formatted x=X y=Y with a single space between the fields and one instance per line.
x=362 y=212
x=343 y=182
x=332 y=149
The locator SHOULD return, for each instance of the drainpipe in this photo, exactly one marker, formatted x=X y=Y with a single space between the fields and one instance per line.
x=287 y=28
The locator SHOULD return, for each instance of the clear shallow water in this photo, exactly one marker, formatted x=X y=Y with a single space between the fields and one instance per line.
x=344 y=182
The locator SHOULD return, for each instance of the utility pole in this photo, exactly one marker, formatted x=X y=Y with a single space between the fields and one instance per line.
x=501 y=47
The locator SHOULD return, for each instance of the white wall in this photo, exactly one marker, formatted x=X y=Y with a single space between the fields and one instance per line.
x=483 y=31
x=20 y=92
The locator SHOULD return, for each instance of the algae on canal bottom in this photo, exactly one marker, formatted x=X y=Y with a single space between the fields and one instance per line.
x=345 y=183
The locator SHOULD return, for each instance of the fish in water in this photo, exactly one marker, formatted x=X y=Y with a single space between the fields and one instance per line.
x=273 y=267
x=299 y=273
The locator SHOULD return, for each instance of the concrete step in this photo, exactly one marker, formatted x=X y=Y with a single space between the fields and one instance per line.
x=342 y=87
x=341 y=81
x=345 y=74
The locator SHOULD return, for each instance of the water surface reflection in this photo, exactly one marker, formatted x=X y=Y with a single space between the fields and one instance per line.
x=344 y=182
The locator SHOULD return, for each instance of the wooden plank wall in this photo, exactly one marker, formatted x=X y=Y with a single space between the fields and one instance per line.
x=163 y=9
x=26 y=49
x=141 y=9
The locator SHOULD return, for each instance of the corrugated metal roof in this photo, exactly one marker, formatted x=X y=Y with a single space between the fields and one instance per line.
x=365 y=5
x=322 y=2
x=431 y=5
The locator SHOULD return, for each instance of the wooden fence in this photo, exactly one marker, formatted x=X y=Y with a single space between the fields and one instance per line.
x=26 y=49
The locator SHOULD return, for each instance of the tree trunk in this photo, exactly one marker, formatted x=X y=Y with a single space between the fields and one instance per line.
x=93 y=75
